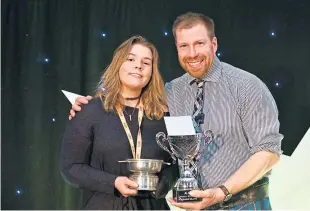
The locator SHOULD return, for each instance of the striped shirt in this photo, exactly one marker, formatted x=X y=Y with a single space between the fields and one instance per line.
x=239 y=110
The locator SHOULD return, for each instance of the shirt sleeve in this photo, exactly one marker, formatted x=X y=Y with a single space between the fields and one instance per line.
x=75 y=151
x=170 y=97
x=259 y=115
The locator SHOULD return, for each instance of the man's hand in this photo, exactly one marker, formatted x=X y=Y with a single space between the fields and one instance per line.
x=209 y=197
x=76 y=106
x=126 y=186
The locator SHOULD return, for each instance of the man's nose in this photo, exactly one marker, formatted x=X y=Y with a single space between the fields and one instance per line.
x=192 y=52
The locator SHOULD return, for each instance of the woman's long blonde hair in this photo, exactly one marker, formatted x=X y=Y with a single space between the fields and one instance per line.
x=153 y=94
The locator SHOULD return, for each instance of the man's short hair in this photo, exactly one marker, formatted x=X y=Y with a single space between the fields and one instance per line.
x=190 y=19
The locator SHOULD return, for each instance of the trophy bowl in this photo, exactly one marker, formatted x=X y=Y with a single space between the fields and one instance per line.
x=144 y=165
x=144 y=172
x=184 y=149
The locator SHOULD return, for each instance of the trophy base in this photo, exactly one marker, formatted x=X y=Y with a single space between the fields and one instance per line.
x=183 y=196
x=146 y=182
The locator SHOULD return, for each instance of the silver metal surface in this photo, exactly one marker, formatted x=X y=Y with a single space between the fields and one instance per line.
x=144 y=165
x=146 y=181
x=144 y=172
x=184 y=148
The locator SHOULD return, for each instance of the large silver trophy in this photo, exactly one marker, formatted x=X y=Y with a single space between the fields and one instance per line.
x=185 y=149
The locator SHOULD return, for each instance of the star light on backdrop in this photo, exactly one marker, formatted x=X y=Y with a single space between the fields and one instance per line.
x=19 y=192
x=288 y=178
x=277 y=84
x=272 y=34
x=41 y=58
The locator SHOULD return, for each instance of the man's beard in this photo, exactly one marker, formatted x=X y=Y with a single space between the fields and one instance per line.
x=201 y=72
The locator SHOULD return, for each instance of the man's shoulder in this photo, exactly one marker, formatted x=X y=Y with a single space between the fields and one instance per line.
x=239 y=76
x=179 y=81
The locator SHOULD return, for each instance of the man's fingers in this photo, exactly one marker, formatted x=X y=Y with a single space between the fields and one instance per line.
x=89 y=97
x=81 y=100
x=185 y=205
x=199 y=193
x=171 y=200
x=76 y=107
x=72 y=113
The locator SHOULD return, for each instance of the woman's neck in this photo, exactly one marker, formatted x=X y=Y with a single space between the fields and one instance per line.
x=131 y=97
x=132 y=103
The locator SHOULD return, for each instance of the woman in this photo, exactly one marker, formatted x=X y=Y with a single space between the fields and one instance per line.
x=95 y=140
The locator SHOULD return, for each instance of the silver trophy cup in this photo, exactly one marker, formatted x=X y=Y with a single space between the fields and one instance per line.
x=144 y=172
x=185 y=149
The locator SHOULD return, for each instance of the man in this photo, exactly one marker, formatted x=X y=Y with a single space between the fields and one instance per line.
x=239 y=110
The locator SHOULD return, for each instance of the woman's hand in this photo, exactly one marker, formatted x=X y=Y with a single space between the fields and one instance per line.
x=126 y=186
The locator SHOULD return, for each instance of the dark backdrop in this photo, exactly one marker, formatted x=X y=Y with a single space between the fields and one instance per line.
x=52 y=45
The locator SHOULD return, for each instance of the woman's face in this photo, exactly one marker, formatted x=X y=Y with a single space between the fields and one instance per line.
x=136 y=71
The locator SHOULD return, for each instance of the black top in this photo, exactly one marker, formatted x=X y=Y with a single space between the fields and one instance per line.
x=94 y=142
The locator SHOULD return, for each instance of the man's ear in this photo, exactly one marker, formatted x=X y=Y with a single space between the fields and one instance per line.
x=214 y=44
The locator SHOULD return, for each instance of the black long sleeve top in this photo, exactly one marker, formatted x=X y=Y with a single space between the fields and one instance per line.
x=93 y=143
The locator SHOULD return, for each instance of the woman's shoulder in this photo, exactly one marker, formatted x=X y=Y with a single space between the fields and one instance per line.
x=93 y=106
x=93 y=102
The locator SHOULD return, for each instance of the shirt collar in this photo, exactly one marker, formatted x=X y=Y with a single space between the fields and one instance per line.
x=213 y=74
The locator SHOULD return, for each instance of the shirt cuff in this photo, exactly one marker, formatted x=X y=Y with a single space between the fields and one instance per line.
x=269 y=146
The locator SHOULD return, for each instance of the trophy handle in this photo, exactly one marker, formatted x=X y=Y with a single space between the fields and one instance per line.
x=161 y=139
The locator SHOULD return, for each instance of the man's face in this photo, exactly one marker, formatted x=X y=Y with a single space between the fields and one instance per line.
x=196 y=51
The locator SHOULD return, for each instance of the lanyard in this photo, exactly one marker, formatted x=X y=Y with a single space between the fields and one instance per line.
x=135 y=153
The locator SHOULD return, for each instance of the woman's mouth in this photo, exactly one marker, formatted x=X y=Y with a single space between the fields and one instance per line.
x=136 y=75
